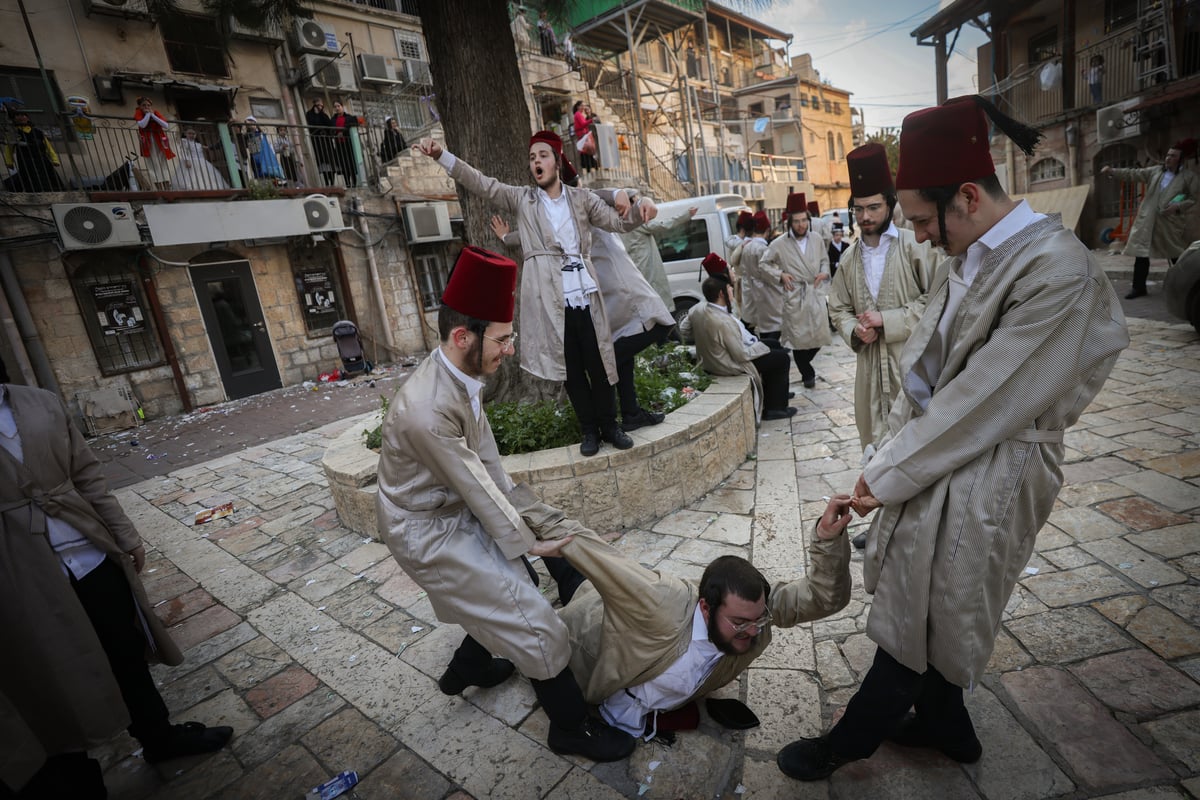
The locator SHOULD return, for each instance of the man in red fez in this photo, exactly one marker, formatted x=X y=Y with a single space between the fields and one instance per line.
x=1160 y=228
x=1019 y=334
x=878 y=296
x=564 y=323
x=762 y=293
x=461 y=529
x=821 y=227
x=798 y=264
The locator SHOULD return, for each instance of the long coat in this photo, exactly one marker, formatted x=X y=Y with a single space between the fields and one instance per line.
x=801 y=320
x=643 y=250
x=57 y=691
x=542 y=305
x=457 y=525
x=1156 y=234
x=632 y=302
x=762 y=295
x=628 y=624
x=967 y=483
x=907 y=274
x=720 y=348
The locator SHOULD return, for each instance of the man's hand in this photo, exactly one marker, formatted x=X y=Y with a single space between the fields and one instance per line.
x=430 y=148
x=1174 y=208
x=863 y=502
x=499 y=226
x=138 y=554
x=549 y=548
x=871 y=319
x=836 y=517
x=788 y=282
x=865 y=334
x=1106 y=170
x=648 y=209
x=621 y=202
x=824 y=276
x=692 y=211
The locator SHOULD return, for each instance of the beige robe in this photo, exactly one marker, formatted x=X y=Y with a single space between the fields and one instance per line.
x=720 y=348
x=1155 y=233
x=57 y=691
x=628 y=624
x=762 y=295
x=542 y=314
x=967 y=483
x=642 y=247
x=805 y=324
x=907 y=274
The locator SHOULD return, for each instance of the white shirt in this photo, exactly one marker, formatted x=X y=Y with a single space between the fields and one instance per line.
x=1167 y=177
x=627 y=708
x=76 y=552
x=473 y=385
x=801 y=243
x=875 y=259
x=748 y=338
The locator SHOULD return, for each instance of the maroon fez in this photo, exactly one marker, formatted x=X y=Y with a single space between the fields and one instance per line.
x=1186 y=148
x=549 y=137
x=714 y=265
x=761 y=223
x=745 y=220
x=814 y=208
x=482 y=285
x=796 y=201
x=870 y=173
x=944 y=145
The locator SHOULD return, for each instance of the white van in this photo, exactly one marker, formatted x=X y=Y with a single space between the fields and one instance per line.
x=714 y=223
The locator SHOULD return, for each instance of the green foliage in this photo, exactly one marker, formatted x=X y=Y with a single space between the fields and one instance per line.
x=262 y=190
x=663 y=374
x=373 y=437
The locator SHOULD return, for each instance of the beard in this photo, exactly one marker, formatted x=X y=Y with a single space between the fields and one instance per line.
x=723 y=644
x=474 y=359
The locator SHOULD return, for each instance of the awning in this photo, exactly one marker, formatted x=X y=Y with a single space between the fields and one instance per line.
x=1069 y=202
x=1180 y=90
x=164 y=82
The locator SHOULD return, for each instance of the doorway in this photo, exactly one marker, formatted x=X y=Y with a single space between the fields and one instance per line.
x=233 y=315
x=193 y=105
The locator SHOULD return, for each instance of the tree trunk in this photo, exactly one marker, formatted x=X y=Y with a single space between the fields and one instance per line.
x=481 y=100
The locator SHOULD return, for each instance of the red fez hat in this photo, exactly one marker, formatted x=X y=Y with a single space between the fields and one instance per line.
x=796 y=202
x=1186 y=147
x=944 y=145
x=482 y=285
x=761 y=223
x=745 y=220
x=549 y=137
x=870 y=173
x=714 y=265
x=814 y=208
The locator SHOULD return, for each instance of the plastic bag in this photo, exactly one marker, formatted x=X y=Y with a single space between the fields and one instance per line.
x=587 y=144
x=1050 y=76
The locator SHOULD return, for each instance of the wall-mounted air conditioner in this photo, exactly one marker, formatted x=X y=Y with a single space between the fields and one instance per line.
x=743 y=189
x=725 y=187
x=323 y=213
x=325 y=72
x=310 y=36
x=414 y=70
x=376 y=69
x=427 y=222
x=757 y=192
x=119 y=8
x=201 y=223
x=88 y=226
x=267 y=32
x=1117 y=122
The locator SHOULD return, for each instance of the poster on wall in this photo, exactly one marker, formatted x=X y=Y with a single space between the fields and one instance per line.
x=319 y=297
x=117 y=309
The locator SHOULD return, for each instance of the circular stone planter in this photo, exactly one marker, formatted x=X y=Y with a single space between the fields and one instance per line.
x=669 y=466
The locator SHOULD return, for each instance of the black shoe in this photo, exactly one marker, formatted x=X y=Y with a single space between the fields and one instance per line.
x=593 y=740
x=631 y=422
x=809 y=759
x=810 y=383
x=910 y=732
x=779 y=413
x=454 y=681
x=1135 y=294
x=616 y=437
x=860 y=541
x=188 y=739
x=791 y=395
x=590 y=444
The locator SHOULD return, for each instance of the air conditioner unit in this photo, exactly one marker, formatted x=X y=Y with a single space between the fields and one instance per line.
x=1117 y=122
x=427 y=222
x=336 y=74
x=743 y=189
x=757 y=192
x=120 y=8
x=268 y=32
x=87 y=226
x=725 y=187
x=201 y=223
x=376 y=69
x=415 y=71
x=310 y=36
x=323 y=213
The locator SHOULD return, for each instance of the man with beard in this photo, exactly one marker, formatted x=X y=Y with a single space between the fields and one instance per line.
x=644 y=642
x=460 y=528
x=564 y=323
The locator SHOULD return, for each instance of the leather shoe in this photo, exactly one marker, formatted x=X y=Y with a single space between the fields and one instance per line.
x=616 y=437
x=779 y=413
x=791 y=395
x=809 y=759
x=810 y=383
x=593 y=740
x=187 y=739
x=454 y=681
x=860 y=541
x=590 y=444
x=910 y=732
x=631 y=422
x=1135 y=293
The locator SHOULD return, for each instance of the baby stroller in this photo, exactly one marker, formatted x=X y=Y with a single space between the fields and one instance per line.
x=350 y=348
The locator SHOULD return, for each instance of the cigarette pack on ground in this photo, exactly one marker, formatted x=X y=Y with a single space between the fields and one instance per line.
x=333 y=787
x=216 y=512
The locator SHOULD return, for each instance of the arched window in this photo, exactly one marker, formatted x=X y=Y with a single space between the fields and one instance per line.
x=841 y=148
x=829 y=141
x=1108 y=190
x=1048 y=169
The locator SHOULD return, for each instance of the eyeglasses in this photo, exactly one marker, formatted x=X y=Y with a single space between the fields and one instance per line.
x=505 y=342
x=760 y=623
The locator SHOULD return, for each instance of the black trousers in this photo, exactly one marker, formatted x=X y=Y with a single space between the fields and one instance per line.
x=587 y=383
x=804 y=362
x=888 y=691
x=1141 y=271
x=626 y=349
x=773 y=367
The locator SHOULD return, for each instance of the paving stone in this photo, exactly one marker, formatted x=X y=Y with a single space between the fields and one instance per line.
x=702 y=553
x=349 y=741
x=1137 y=683
x=1067 y=634
x=404 y=775
x=279 y=691
x=1096 y=469
x=734 y=529
x=203 y=653
x=762 y=780
x=1192 y=785
x=277 y=732
x=1022 y=603
x=1086 y=494
x=322 y=582
x=290 y=773
x=225 y=708
x=252 y=663
x=732 y=501
x=1179 y=465
x=579 y=784
x=180 y=608
x=131 y=779
x=192 y=689
x=400 y=590
x=1121 y=609
x=1172 y=542
x=1179 y=735
x=1140 y=514
x=859 y=652
x=208 y=779
x=1183 y=600
x=648 y=549
x=1007 y=654
x=383 y=571
x=243 y=543
x=787 y=701
x=685 y=523
x=790 y=648
x=1013 y=765
x=204 y=625
x=1067 y=557
x=1134 y=563
x=1085 y=524
x=1150 y=793
x=356 y=606
x=164 y=584
x=364 y=556
x=1092 y=582
x=304 y=562
x=1164 y=633
x=1098 y=750
x=342 y=544
x=394 y=631
x=1172 y=493
x=831 y=667
x=694 y=767
x=902 y=773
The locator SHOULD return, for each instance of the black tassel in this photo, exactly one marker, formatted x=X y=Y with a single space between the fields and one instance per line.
x=1022 y=135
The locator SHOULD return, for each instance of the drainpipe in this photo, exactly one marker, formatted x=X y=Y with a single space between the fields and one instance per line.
x=164 y=336
x=376 y=285
x=25 y=325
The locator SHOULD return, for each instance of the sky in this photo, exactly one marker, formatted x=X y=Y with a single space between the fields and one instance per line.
x=865 y=47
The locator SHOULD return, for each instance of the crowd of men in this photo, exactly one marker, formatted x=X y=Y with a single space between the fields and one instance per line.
x=981 y=335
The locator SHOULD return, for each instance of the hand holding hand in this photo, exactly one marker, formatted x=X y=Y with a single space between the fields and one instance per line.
x=551 y=548
x=621 y=202
x=871 y=319
x=865 y=334
x=648 y=208
x=836 y=517
x=863 y=502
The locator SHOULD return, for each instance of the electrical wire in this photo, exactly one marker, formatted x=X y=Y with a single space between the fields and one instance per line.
x=42 y=220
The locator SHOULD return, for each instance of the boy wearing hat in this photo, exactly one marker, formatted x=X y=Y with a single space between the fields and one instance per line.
x=762 y=294
x=563 y=320
x=799 y=263
x=837 y=246
x=1019 y=334
x=460 y=528
x=1160 y=228
x=878 y=296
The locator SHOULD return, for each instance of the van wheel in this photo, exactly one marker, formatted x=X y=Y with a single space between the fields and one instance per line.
x=682 y=306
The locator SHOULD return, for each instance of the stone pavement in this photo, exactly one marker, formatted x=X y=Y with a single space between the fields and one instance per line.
x=323 y=656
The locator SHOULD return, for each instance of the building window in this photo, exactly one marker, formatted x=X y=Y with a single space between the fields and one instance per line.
x=1048 y=169
x=1043 y=46
x=804 y=101
x=1108 y=192
x=829 y=141
x=816 y=102
x=1119 y=13
x=755 y=109
x=28 y=85
x=410 y=45
x=194 y=45
x=431 y=277
x=828 y=107
x=116 y=315
x=265 y=108
x=841 y=148
x=812 y=137
x=837 y=109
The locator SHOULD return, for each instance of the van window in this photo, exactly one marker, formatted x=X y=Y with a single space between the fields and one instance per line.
x=690 y=242
x=731 y=220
